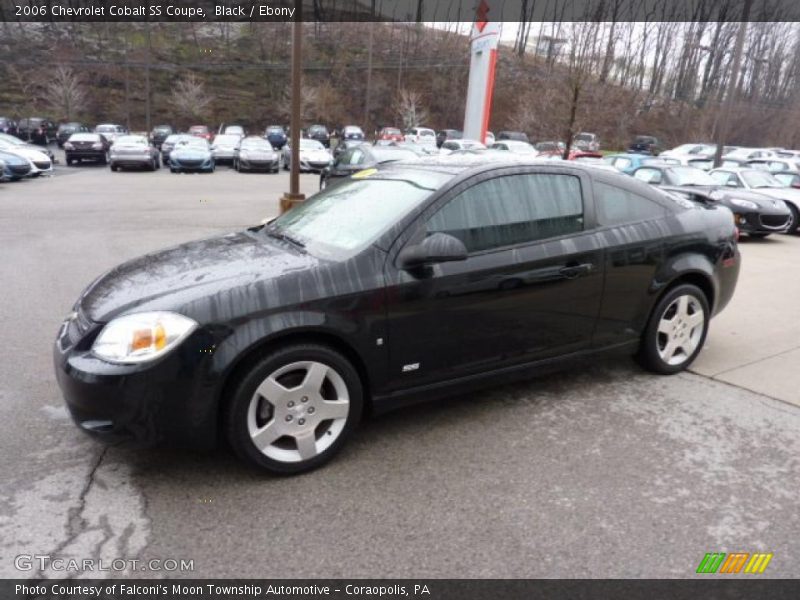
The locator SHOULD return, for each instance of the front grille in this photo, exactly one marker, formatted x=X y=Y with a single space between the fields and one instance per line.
x=42 y=164
x=20 y=169
x=774 y=221
x=189 y=163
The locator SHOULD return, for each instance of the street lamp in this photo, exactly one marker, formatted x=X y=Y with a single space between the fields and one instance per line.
x=293 y=196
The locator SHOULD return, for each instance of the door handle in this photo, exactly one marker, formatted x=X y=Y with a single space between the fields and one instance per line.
x=573 y=271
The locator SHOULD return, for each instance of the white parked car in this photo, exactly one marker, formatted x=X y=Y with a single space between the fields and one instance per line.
x=750 y=153
x=516 y=147
x=452 y=145
x=696 y=150
x=421 y=135
x=224 y=146
x=40 y=162
x=313 y=155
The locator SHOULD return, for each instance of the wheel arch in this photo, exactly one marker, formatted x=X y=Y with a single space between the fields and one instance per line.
x=246 y=359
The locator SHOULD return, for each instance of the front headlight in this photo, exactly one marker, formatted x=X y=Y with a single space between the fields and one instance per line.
x=141 y=337
x=744 y=203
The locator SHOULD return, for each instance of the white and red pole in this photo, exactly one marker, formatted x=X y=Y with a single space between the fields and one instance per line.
x=483 y=62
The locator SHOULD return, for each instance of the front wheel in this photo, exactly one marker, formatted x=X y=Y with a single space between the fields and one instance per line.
x=794 y=219
x=294 y=409
x=676 y=331
x=113 y=167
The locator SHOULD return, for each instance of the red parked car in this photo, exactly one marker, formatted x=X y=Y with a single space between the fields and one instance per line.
x=574 y=153
x=200 y=131
x=391 y=133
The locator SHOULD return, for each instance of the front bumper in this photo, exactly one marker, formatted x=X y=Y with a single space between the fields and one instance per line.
x=259 y=164
x=311 y=165
x=221 y=156
x=171 y=401
x=131 y=160
x=761 y=222
x=194 y=165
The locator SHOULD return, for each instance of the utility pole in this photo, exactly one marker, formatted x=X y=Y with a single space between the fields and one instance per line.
x=293 y=196
x=147 y=81
x=371 y=27
x=724 y=125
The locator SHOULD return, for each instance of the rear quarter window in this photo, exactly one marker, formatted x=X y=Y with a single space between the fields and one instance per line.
x=618 y=206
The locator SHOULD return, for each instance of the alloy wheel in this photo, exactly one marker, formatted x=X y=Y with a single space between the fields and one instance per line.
x=680 y=330
x=298 y=411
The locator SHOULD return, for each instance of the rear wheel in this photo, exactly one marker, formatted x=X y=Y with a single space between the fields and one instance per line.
x=676 y=331
x=294 y=409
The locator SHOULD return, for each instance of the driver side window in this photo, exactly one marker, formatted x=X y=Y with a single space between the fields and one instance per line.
x=511 y=210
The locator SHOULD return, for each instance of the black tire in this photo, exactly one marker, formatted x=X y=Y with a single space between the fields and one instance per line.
x=236 y=413
x=69 y=162
x=104 y=161
x=648 y=355
x=114 y=167
x=794 y=220
x=758 y=236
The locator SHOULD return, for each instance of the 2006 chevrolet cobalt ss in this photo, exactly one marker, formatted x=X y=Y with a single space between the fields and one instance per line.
x=394 y=285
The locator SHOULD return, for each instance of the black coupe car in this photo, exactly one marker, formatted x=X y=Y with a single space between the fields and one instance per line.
x=402 y=283
x=363 y=156
x=755 y=214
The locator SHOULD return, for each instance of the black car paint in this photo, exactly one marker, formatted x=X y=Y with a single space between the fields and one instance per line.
x=458 y=321
x=319 y=133
x=372 y=157
x=37 y=130
x=770 y=216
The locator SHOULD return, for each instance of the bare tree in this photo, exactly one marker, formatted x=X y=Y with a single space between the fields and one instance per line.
x=190 y=97
x=409 y=109
x=65 y=93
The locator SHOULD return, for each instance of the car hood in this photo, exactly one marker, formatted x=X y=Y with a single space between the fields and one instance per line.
x=315 y=155
x=11 y=158
x=186 y=278
x=190 y=153
x=786 y=193
x=29 y=153
x=258 y=153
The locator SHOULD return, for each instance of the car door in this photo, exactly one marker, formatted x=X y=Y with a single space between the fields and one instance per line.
x=529 y=289
x=630 y=229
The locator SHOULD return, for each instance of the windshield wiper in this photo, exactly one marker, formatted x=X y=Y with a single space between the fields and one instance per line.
x=278 y=234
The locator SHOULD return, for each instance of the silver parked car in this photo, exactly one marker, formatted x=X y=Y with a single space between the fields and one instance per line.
x=224 y=147
x=256 y=154
x=134 y=151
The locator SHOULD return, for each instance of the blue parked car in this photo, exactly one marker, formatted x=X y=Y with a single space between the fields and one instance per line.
x=14 y=166
x=628 y=163
x=276 y=136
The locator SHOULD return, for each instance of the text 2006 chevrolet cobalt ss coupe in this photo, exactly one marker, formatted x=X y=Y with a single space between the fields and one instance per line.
x=391 y=286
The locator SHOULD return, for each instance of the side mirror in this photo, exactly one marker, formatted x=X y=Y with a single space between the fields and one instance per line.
x=437 y=248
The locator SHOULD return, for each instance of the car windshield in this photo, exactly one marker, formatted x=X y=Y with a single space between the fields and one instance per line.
x=311 y=145
x=344 y=218
x=194 y=143
x=584 y=137
x=198 y=129
x=760 y=179
x=786 y=178
x=131 y=139
x=226 y=140
x=106 y=128
x=520 y=147
x=256 y=144
x=274 y=130
x=691 y=176
x=84 y=137
x=426 y=133
x=391 y=131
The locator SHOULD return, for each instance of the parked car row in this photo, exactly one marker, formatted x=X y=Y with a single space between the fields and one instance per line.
x=23 y=160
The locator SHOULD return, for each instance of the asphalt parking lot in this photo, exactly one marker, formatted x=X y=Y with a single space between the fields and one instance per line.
x=607 y=472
